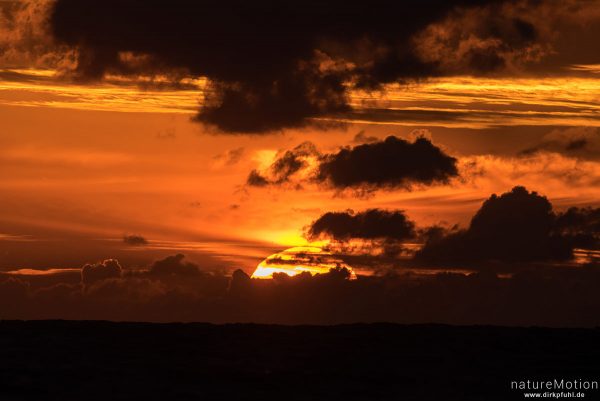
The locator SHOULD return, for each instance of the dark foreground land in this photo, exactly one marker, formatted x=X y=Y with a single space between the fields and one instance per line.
x=63 y=360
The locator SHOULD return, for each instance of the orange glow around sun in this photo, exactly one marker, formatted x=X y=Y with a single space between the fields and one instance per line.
x=300 y=259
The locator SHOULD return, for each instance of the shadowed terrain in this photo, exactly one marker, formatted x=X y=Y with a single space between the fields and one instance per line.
x=63 y=360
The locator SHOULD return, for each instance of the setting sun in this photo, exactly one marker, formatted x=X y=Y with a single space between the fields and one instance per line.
x=300 y=259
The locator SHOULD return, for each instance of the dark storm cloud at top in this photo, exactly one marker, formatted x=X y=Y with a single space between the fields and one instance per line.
x=273 y=65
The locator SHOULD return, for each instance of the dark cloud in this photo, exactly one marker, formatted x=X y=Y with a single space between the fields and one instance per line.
x=576 y=144
x=393 y=162
x=581 y=226
x=373 y=238
x=502 y=35
x=135 y=240
x=285 y=166
x=240 y=283
x=273 y=66
x=299 y=258
x=517 y=226
x=512 y=36
x=580 y=142
x=128 y=291
x=255 y=179
x=270 y=106
x=369 y=225
x=174 y=266
x=92 y=273
x=175 y=273
x=292 y=161
x=231 y=157
x=362 y=137
x=390 y=163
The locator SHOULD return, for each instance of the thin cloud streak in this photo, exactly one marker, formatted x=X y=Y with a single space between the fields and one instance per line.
x=453 y=102
x=40 y=88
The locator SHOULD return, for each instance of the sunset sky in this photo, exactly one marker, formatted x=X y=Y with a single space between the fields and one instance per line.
x=141 y=130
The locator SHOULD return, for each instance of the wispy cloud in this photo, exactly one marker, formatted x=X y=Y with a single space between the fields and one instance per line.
x=456 y=102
